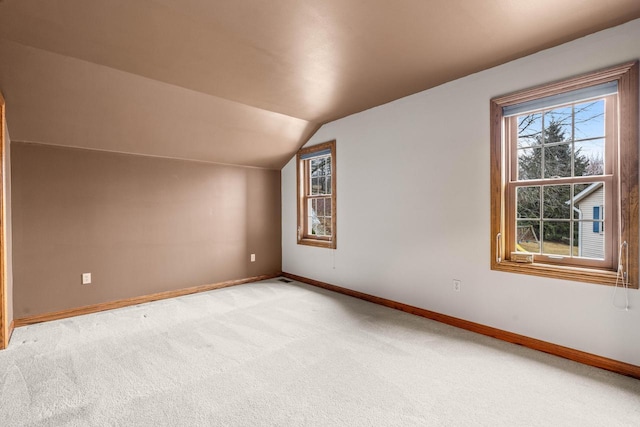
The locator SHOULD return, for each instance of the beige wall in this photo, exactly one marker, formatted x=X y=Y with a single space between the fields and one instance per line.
x=139 y=224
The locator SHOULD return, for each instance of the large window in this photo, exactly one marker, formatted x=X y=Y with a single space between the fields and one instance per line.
x=317 y=195
x=564 y=178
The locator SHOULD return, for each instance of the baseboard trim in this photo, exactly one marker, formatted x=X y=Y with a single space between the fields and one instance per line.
x=535 y=344
x=94 y=308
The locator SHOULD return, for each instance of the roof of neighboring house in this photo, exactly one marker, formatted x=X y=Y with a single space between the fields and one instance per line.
x=584 y=193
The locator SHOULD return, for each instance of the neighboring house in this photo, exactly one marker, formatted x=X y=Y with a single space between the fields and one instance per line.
x=589 y=204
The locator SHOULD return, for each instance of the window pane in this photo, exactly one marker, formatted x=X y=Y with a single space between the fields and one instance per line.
x=529 y=163
x=318 y=184
x=590 y=239
x=320 y=166
x=556 y=201
x=323 y=166
x=326 y=225
x=529 y=130
x=589 y=120
x=527 y=236
x=319 y=207
x=528 y=199
x=556 y=238
x=327 y=189
x=314 y=167
x=322 y=227
x=312 y=215
x=322 y=184
x=577 y=189
x=557 y=125
x=316 y=227
x=589 y=157
x=557 y=161
x=589 y=204
x=320 y=216
x=577 y=226
x=586 y=198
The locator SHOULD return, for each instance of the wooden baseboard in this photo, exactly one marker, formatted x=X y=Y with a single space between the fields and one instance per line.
x=535 y=344
x=94 y=308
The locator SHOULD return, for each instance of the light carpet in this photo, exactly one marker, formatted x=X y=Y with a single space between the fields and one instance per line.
x=278 y=354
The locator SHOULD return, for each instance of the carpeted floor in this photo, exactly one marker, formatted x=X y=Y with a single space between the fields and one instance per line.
x=277 y=354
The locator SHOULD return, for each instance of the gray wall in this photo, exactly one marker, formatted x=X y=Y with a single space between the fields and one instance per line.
x=140 y=225
x=414 y=209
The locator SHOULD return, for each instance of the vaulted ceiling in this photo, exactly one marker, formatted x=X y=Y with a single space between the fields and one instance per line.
x=266 y=74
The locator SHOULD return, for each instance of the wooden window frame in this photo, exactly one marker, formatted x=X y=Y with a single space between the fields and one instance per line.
x=607 y=180
x=5 y=326
x=302 y=180
x=624 y=181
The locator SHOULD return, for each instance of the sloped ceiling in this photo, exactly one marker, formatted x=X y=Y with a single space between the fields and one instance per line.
x=248 y=81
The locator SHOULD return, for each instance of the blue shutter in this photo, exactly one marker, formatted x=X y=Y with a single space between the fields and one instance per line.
x=596 y=216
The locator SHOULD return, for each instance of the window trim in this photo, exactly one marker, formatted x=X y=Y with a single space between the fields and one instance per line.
x=627 y=77
x=301 y=203
x=606 y=179
x=5 y=325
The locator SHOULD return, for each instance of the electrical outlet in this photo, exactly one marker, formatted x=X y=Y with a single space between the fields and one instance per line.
x=456 y=285
x=253 y=257
x=86 y=278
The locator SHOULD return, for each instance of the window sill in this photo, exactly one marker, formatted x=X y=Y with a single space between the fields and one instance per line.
x=578 y=274
x=330 y=244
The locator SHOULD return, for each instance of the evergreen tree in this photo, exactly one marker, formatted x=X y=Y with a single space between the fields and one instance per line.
x=557 y=163
x=557 y=158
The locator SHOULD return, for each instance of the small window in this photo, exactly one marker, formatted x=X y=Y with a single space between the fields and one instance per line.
x=564 y=168
x=316 y=168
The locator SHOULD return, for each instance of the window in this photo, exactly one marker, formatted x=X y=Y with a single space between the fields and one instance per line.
x=317 y=195
x=564 y=178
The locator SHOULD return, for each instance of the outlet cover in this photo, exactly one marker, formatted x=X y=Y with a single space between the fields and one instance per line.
x=253 y=257
x=456 y=285
x=86 y=278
